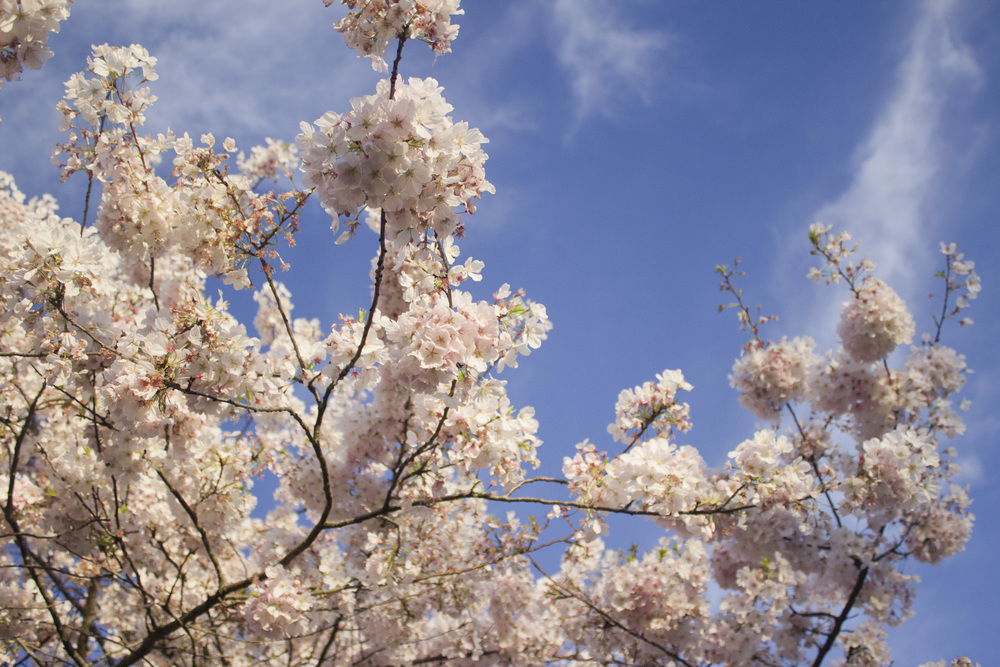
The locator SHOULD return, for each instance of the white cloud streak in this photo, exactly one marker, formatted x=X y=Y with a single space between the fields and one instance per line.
x=606 y=60
x=256 y=67
x=247 y=69
x=888 y=203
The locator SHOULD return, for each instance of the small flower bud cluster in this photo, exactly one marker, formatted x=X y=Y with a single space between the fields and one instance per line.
x=836 y=250
x=960 y=276
x=274 y=160
x=403 y=155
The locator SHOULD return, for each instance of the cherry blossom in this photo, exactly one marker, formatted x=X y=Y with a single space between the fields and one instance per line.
x=397 y=151
x=769 y=377
x=370 y=26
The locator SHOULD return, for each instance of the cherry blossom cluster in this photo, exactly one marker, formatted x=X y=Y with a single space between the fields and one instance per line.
x=200 y=211
x=895 y=475
x=862 y=392
x=371 y=25
x=657 y=476
x=24 y=34
x=415 y=269
x=272 y=161
x=276 y=607
x=895 y=483
x=436 y=340
x=769 y=377
x=942 y=527
x=109 y=92
x=866 y=646
x=397 y=151
x=960 y=661
x=836 y=250
x=874 y=322
x=651 y=408
x=658 y=596
x=934 y=371
x=522 y=321
x=72 y=328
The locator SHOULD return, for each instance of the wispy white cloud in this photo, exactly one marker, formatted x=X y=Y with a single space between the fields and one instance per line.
x=260 y=69
x=248 y=70
x=898 y=167
x=607 y=60
x=479 y=77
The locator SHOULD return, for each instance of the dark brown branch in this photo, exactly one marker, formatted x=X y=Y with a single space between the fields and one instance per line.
x=89 y=616
x=479 y=495
x=838 y=622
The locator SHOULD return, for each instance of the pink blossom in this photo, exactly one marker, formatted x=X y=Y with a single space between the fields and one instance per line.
x=874 y=322
x=774 y=375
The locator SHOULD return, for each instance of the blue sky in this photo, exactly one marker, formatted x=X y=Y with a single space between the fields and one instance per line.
x=634 y=146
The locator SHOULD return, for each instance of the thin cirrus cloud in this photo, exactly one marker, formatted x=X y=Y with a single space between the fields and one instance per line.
x=606 y=60
x=235 y=70
x=229 y=69
x=220 y=70
x=898 y=167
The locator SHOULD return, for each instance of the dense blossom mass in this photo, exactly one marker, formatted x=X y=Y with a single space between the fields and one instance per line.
x=397 y=151
x=138 y=411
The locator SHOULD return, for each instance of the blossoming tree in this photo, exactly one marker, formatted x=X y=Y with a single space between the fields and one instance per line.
x=136 y=412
